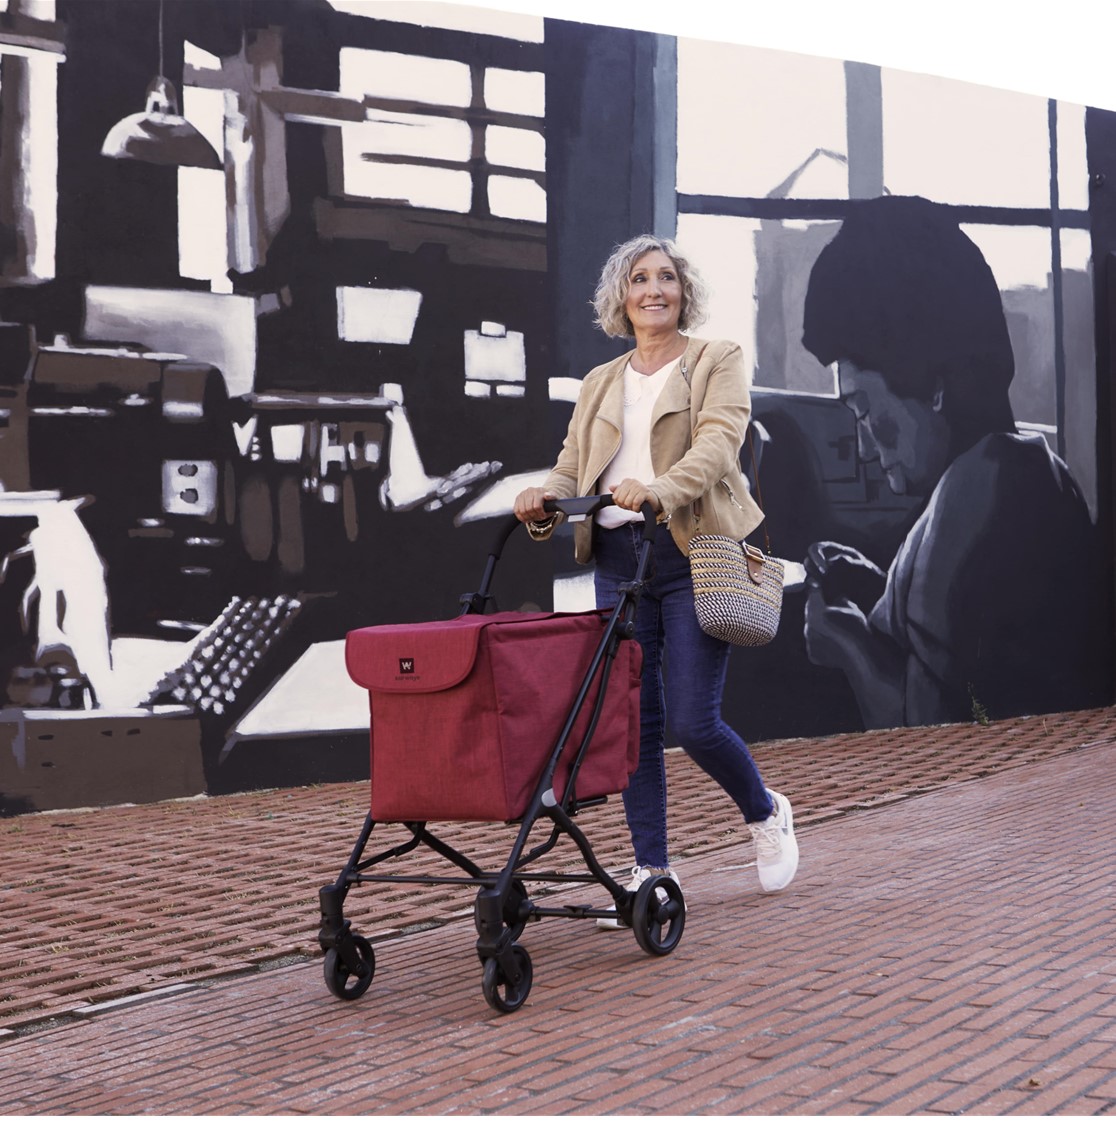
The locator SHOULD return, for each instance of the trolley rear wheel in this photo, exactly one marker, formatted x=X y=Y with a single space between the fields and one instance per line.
x=503 y=995
x=343 y=982
x=658 y=915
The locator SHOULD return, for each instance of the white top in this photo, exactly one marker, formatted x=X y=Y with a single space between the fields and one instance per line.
x=633 y=457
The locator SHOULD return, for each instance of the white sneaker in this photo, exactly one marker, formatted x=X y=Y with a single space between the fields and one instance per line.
x=776 y=846
x=640 y=873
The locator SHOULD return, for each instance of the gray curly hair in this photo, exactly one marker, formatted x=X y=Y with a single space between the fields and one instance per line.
x=612 y=288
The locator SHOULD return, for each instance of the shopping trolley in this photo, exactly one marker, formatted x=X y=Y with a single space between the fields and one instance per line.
x=525 y=718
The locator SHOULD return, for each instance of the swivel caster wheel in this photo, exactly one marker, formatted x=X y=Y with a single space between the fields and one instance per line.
x=658 y=915
x=343 y=982
x=504 y=995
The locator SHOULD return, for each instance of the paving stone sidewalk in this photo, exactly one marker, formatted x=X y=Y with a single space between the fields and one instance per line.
x=99 y=905
x=940 y=953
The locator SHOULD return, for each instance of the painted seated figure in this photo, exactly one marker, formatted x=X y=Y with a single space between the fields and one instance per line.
x=994 y=604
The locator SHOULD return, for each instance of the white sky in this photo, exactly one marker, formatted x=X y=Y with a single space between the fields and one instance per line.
x=1056 y=48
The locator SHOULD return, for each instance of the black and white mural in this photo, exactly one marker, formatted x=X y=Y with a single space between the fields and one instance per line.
x=295 y=299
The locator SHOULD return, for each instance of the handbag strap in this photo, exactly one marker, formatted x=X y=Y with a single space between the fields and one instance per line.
x=759 y=491
x=751 y=450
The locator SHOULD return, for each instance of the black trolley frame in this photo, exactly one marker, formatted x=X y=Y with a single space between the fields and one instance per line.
x=656 y=911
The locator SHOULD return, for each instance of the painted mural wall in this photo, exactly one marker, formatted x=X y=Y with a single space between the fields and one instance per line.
x=251 y=405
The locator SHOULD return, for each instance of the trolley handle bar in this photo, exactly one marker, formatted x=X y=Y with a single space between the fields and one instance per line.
x=579 y=508
x=576 y=510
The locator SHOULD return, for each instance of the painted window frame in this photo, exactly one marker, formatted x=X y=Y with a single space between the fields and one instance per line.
x=865 y=180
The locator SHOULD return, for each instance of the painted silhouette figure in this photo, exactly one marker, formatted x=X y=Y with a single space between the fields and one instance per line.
x=990 y=606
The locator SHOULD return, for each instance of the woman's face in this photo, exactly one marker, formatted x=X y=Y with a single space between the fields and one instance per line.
x=654 y=300
x=908 y=436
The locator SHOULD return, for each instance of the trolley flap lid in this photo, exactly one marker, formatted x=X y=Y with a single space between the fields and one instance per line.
x=421 y=657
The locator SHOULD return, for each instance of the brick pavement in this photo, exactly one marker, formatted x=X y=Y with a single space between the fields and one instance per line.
x=98 y=905
x=888 y=980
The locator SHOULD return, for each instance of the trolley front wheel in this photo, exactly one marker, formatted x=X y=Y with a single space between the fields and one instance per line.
x=343 y=982
x=504 y=995
x=658 y=915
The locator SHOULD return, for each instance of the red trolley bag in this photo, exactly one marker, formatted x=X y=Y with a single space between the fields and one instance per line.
x=464 y=712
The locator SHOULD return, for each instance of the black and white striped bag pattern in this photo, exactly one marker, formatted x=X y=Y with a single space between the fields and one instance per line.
x=738 y=590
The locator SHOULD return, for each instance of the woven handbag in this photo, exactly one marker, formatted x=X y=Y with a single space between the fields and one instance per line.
x=738 y=591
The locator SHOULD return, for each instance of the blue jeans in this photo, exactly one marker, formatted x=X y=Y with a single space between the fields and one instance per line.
x=691 y=694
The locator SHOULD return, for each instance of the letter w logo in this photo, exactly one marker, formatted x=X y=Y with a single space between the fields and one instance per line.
x=406 y=666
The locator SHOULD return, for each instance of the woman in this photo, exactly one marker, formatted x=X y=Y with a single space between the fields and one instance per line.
x=979 y=615
x=663 y=425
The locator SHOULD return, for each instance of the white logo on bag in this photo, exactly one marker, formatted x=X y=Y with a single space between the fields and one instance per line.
x=406 y=666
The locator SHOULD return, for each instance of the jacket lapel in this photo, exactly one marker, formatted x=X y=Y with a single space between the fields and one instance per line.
x=610 y=413
x=611 y=406
x=674 y=398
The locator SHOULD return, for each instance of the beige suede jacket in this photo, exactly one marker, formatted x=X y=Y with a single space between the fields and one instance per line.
x=697 y=429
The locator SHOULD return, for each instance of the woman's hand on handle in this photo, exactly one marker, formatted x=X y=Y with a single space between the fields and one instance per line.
x=528 y=505
x=630 y=494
